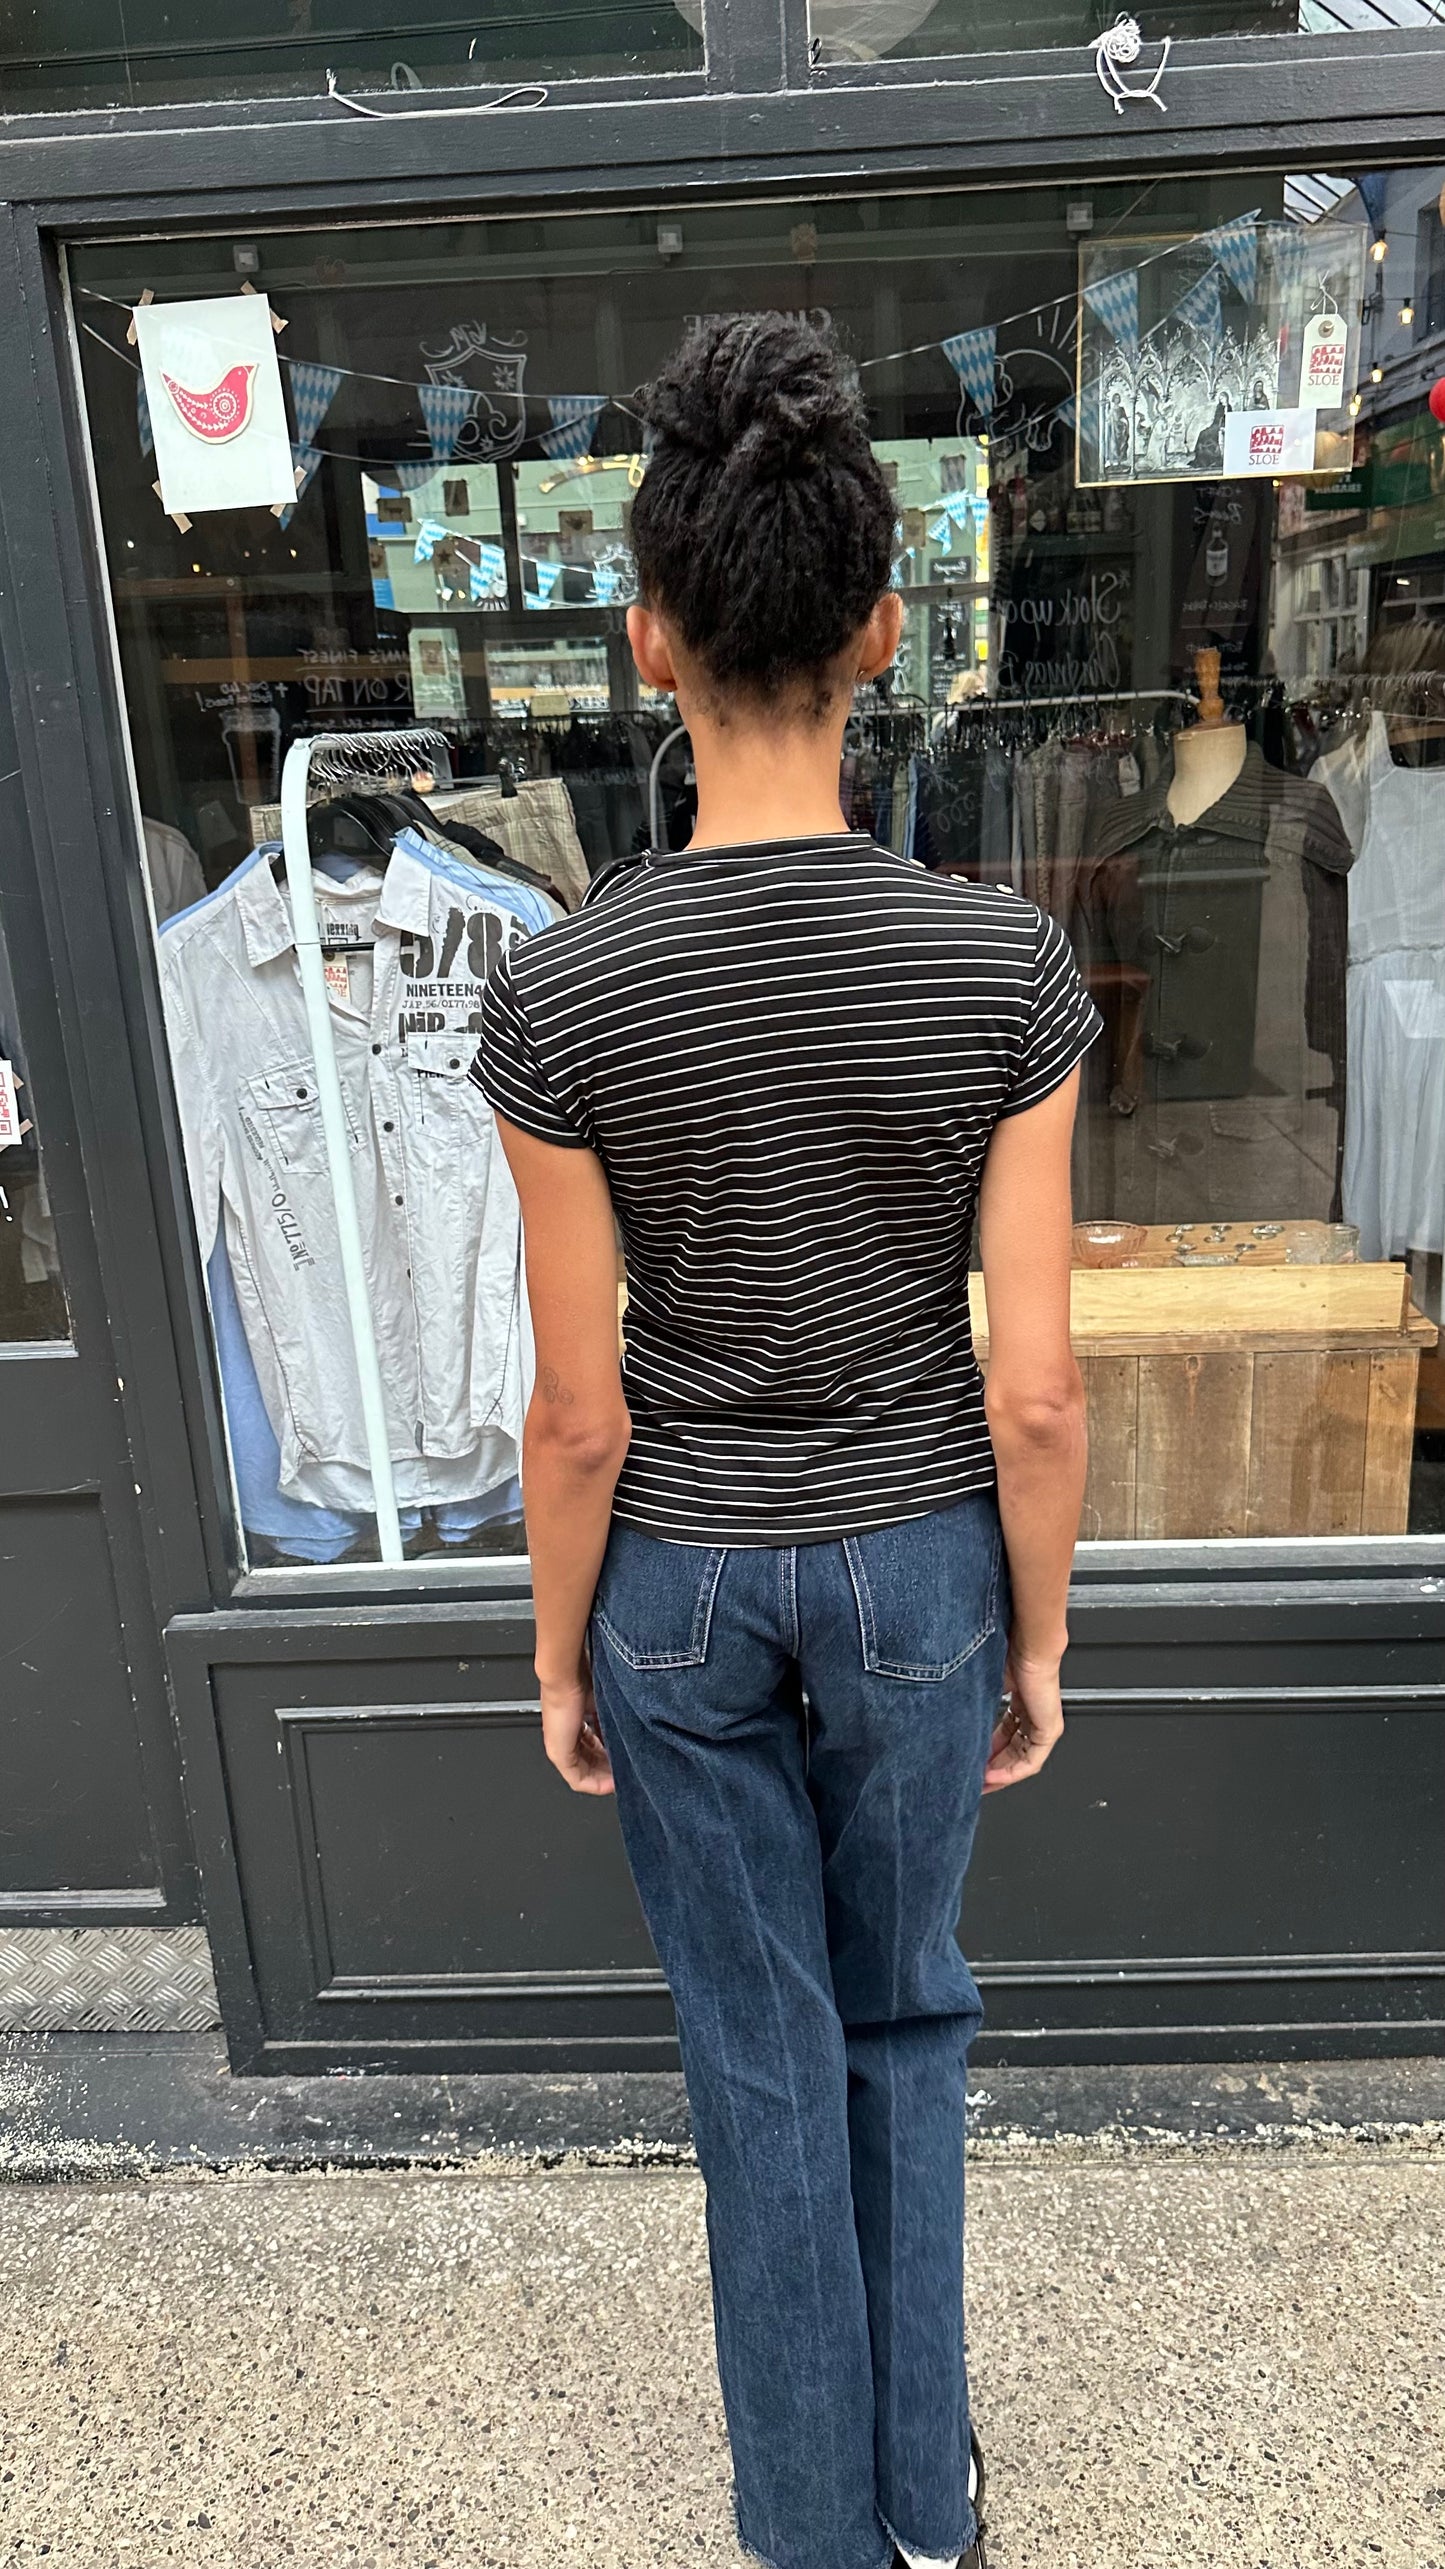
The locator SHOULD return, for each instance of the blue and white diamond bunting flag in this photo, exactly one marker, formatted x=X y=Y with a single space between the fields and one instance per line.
x=574 y=418
x=1115 y=301
x=313 y=389
x=971 y=353
x=1200 y=306
x=446 y=408
x=1236 y=246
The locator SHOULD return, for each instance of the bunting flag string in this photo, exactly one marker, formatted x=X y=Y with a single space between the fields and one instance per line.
x=548 y=575
x=448 y=410
x=428 y=536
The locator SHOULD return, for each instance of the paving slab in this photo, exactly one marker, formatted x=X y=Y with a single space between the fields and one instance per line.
x=1230 y=2359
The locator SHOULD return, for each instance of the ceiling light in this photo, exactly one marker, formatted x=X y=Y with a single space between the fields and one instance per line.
x=1377 y=374
x=1378 y=249
x=1407 y=313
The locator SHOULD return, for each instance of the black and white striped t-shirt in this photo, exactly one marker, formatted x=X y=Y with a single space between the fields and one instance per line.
x=789 y=1058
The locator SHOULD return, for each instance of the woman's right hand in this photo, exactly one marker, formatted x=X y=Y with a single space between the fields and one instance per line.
x=570 y=1732
x=1030 y=1725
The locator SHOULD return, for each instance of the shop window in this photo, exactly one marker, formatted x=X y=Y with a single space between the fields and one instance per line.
x=1169 y=542
x=57 y=54
x=860 y=31
x=32 y=1296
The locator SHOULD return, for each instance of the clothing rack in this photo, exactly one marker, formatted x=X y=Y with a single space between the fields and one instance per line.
x=654 y=781
x=1080 y=696
x=319 y=764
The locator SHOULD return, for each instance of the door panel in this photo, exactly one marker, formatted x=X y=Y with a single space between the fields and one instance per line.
x=89 y=1786
x=72 y=1797
x=395 y=1878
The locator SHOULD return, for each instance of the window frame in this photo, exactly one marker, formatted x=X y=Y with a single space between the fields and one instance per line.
x=756 y=121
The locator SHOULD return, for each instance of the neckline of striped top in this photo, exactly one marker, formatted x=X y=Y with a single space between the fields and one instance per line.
x=825 y=843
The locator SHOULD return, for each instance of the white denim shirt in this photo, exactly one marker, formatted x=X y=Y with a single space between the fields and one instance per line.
x=440 y=1226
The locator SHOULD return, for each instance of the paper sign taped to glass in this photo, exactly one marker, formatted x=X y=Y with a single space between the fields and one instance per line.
x=213 y=382
x=1179 y=336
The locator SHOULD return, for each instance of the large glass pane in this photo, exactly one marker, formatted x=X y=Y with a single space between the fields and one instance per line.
x=853 y=31
x=139 y=53
x=1171 y=511
x=32 y=1296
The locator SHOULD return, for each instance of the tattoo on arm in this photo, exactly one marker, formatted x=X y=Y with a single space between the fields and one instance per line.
x=553 y=1389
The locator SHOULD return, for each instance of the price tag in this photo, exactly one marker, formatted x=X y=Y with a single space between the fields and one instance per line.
x=9 y=1110
x=1268 y=441
x=1322 y=362
x=338 y=979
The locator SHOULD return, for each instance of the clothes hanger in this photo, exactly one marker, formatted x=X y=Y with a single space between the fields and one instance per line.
x=349 y=825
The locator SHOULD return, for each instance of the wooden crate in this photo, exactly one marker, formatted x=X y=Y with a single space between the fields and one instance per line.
x=1244 y=1401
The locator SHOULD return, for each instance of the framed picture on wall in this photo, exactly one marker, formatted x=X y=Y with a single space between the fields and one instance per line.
x=1184 y=339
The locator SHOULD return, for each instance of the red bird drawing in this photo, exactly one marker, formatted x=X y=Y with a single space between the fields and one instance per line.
x=220 y=414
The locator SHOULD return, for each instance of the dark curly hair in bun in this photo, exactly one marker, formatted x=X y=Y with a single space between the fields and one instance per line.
x=764 y=528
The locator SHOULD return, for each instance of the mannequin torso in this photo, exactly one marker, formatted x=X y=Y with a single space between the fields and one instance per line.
x=1207 y=760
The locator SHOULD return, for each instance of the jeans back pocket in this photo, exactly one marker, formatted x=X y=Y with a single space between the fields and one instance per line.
x=654 y=1600
x=927 y=1592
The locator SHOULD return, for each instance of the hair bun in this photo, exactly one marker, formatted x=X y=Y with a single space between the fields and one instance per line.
x=760 y=393
x=764 y=526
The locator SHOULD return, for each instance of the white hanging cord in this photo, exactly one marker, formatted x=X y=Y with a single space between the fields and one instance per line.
x=1115 y=51
x=533 y=92
x=654 y=783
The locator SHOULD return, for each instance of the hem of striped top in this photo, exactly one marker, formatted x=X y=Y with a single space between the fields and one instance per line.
x=560 y=1135
x=672 y=1527
x=1036 y=1090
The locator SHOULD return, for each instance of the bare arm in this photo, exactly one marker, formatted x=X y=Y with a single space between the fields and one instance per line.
x=576 y=1433
x=1035 y=1403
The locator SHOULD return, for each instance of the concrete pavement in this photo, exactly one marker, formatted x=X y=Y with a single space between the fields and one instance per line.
x=1230 y=2358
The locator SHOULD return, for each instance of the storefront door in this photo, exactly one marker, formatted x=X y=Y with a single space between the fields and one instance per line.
x=96 y=1881
x=1146 y=501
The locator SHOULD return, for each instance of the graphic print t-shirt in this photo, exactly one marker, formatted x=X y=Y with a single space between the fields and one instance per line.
x=789 y=1058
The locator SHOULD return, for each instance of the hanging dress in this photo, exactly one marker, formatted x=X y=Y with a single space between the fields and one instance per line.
x=1394 y=1173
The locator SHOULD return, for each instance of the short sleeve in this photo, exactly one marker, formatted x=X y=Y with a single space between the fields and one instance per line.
x=1062 y=1021
x=508 y=1069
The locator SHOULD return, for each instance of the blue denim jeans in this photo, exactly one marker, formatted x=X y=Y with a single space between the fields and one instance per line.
x=798 y=1738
